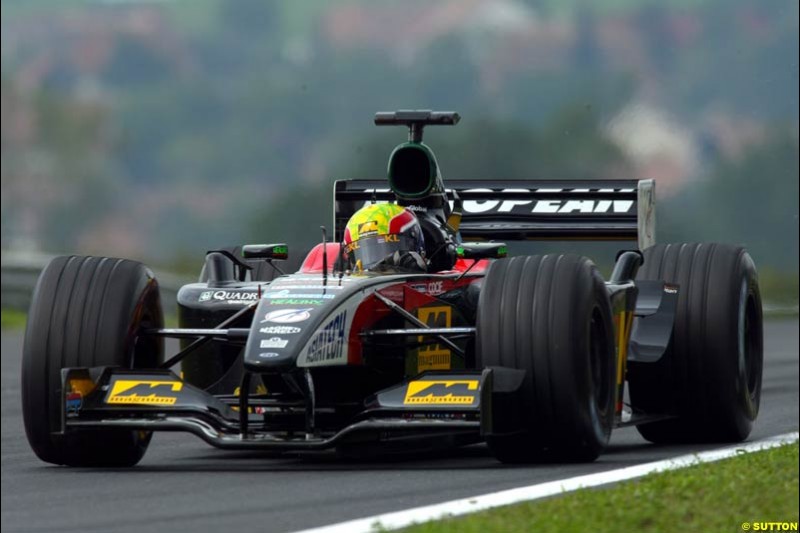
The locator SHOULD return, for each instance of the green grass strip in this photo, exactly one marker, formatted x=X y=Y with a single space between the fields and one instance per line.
x=743 y=493
x=13 y=319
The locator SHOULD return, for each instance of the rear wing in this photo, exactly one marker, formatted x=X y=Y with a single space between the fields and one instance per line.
x=529 y=209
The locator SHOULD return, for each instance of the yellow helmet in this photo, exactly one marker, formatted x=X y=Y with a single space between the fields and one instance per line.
x=375 y=232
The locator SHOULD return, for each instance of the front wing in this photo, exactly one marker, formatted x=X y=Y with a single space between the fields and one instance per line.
x=430 y=405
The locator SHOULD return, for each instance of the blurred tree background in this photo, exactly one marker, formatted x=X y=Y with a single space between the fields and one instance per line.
x=157 y=130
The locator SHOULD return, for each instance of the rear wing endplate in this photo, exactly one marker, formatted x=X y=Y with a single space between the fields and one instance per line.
x=529 y=209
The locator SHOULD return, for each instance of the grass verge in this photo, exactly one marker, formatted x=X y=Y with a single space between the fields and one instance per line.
x=753 y=487
x=13 y=319
x=779 y=292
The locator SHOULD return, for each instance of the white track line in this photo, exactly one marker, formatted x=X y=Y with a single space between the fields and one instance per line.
x=408 y=517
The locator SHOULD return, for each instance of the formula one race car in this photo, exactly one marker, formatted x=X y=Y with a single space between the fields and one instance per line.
x=410 y=329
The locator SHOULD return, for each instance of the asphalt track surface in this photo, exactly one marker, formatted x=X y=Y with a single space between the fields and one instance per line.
x=182 y=484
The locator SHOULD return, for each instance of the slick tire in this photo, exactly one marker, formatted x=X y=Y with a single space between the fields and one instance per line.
x=86 y=312
x=710 y=375
x=550 y=316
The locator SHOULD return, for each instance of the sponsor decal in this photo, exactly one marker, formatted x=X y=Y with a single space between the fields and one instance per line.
x=296 y=301
x=274 y=342
x=228 y=296
x=74 y=402
x=131 y=391
x=280 y=330
x=553 y=206
x=329 y=343
x=289 y=294
x=287 y=316
x=434 y=288
x=368 y=227
x=268 y=355
x=434 y=356
x=433 y=361
x=445 y=392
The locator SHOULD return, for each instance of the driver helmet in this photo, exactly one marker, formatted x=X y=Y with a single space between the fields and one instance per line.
x=381 y=236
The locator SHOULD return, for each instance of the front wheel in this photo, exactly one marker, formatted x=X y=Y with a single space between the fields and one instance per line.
x=86 y=312
x=551 y=317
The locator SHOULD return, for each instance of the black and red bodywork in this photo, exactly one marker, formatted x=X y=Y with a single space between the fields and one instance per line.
x=334 y=361
x=322 y=358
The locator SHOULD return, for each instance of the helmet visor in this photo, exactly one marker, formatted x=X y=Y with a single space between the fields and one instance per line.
x=366 y=253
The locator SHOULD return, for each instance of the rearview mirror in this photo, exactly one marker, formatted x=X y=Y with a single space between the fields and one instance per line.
x=482 y=250
x=265 y=251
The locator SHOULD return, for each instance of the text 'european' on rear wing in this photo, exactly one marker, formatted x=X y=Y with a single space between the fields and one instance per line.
x=530 y=209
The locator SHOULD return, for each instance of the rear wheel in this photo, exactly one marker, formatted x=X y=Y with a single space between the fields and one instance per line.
x=86 y=312
x=550 y=316
x=710 y=376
